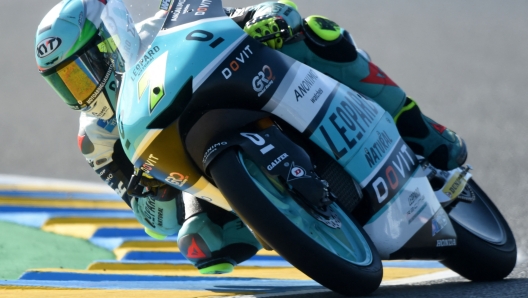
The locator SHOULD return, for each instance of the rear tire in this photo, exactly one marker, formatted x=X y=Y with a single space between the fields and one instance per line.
x=344 y=260
x=475 y=257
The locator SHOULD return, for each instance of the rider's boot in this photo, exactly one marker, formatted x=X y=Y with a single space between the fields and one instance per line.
x=216 y=241
x=442 y=147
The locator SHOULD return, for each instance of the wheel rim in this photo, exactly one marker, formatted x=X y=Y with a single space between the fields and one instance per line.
x=346 y=242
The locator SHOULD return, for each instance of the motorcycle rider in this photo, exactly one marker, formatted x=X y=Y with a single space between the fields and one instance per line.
x=213 y=239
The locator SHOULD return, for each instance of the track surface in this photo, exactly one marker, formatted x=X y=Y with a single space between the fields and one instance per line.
x=77 y=238
x=464 y=62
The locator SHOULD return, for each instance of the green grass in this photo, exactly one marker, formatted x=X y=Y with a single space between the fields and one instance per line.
x=23 y=248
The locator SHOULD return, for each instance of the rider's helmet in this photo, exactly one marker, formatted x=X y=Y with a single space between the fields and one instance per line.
x=68 y=57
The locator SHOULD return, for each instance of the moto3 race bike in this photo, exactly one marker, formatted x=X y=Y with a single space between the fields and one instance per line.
x=316 y=170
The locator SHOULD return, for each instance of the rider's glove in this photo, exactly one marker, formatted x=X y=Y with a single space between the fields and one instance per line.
x=158 y=213
x=271 y=30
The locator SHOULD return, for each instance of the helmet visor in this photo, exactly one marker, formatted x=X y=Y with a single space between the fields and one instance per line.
x=80 y=81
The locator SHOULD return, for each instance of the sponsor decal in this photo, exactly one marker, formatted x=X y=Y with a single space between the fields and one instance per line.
x=48 y=46
x=149 y=164
x=259 y=141
x=237 y=13
x=374 y=154
x=263 y=80
x=203 y=36
x=178 y=10
x=164 y=5
x=277 y=161
x=234 y=65
x=392 y=175
x=101 y=112
x=296 y=172
x=350 y=120
x=120 y=189
x=416 y=204
x=438 y=223
x=316 y=96
x=306 y=84
x=202 y=9
x=194 y=251
x=149 y=211
x=160 y=217
x=176 y=179
x=81 y=19
x=446 y=242
x=212 y=149
x=153 y=80
x=145 y=61
x=455 y=186
x=99 y=88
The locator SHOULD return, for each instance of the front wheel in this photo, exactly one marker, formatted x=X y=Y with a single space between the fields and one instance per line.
x=486 y=249
x=335 y=252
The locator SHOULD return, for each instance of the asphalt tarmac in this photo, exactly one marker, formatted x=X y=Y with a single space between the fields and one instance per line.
x=465 y=63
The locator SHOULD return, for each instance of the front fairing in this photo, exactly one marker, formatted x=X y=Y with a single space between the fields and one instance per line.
x=196 y=62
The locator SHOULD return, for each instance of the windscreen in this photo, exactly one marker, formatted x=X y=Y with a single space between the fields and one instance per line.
x=128 y=28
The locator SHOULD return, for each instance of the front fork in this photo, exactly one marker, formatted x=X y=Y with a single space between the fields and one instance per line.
x=278 y=156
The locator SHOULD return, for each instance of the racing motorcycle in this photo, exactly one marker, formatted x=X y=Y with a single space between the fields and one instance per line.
x=317 y=171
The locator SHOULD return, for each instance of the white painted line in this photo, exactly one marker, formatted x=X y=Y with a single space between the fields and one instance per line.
x=422 y=278
x=303 y=292
x=401 y=281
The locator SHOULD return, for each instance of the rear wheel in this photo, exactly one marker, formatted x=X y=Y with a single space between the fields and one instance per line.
x=486 y=249
x=342 y=258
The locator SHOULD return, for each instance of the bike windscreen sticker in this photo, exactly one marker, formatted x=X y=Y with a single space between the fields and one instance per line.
x=185 y=11
x=300 y=96
x=153 y=81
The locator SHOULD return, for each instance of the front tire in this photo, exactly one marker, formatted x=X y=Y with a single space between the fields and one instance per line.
x=486 y=249
x=343 y=260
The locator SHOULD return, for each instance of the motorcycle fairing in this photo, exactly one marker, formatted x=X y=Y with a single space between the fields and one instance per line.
x=402 y=216
x=227 y=68
x=364 y=139
x=434 y=240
